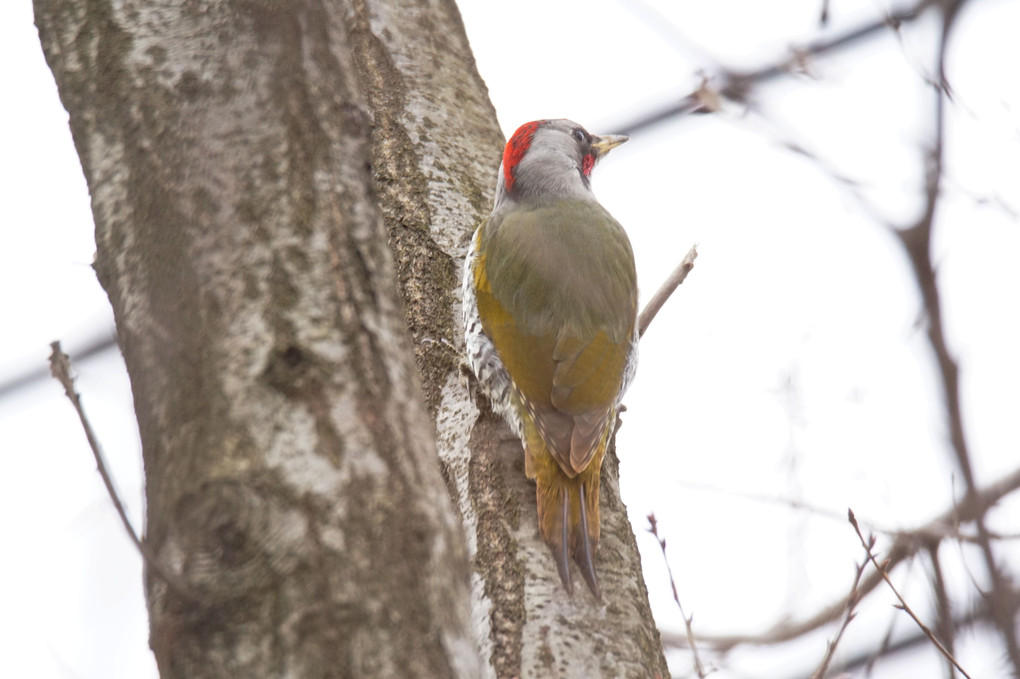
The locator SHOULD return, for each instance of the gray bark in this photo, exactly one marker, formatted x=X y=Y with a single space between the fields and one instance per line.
x=282 y=195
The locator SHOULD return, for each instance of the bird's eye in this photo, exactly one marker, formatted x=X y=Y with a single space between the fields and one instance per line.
x=578 y=134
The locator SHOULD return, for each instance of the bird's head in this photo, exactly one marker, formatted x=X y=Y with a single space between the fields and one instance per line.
x=551 y=160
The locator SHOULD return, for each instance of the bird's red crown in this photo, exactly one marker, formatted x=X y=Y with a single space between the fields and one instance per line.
x=516 y=148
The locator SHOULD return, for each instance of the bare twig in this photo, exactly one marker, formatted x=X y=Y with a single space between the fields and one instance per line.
x=666 y=289
x=868 y=544
x=851 y=604
x=60 y=367
x=906 y=545
x=699 y=668
x=98 y=344
x=860 y=662
x=916 y=242
x=943 y=607
x=865 y=659
x=736 y=86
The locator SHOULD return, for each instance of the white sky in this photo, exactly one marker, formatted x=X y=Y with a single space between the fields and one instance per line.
x=790 y=364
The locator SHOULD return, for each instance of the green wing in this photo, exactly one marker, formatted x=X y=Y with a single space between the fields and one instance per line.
x=557 y=292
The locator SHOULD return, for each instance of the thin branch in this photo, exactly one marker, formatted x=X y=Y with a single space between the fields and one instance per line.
x=737 y=86
x=60 y=367
x=916 y=242
x=666 y=289
x=785 y=631
x=699 y=668
x=852 y=600
x=99 y=344
x=905 y=546
x=864 y=660
x=868 y=544
x=943 y=607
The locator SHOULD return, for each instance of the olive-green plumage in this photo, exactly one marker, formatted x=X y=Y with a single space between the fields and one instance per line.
x=559 y=305
x=551 y=282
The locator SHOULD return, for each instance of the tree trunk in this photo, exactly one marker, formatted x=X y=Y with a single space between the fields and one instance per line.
x=249 y=162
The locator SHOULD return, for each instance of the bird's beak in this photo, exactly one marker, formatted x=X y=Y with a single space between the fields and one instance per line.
x=607 y=143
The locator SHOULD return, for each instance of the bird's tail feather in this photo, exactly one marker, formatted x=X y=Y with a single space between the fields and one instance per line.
x=568 y=518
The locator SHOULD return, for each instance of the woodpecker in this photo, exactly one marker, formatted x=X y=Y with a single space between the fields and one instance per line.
x=550 y=323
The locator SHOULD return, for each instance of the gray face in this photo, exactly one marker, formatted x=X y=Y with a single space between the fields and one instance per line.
x=553 y=168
